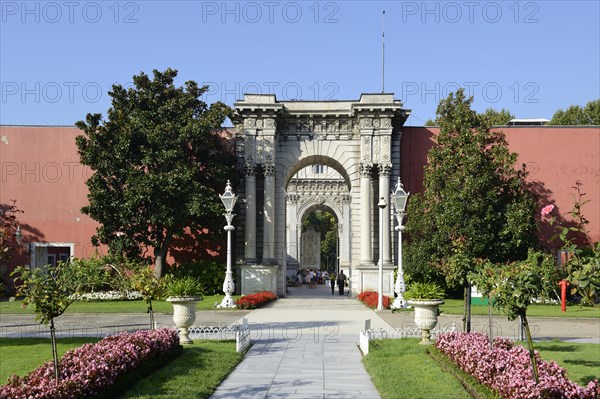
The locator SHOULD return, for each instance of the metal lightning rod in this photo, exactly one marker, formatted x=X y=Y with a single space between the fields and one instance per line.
x=383 y=53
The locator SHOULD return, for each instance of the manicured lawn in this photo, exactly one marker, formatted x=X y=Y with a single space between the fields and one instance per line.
x=23 y=355
x=400 y=368
x=112 y=306
x=581 y=360
x=195 y=374
x=456 y=306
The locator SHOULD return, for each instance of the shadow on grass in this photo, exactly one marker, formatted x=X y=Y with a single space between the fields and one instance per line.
x=583 y=381
x=586 y=363
x=557 y=348
x=196 y=373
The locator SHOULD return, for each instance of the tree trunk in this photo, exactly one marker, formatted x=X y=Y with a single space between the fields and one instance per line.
x=530 y=347
x=54 y=351
x=151 y=313
x=160 y=255
x=467 y=309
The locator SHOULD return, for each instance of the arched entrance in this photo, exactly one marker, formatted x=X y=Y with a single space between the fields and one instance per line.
x=323 y=186
x=356 y=142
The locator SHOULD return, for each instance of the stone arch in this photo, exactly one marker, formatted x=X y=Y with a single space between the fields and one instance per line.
x=322 y=159
x=310 y=207
x=360 y=139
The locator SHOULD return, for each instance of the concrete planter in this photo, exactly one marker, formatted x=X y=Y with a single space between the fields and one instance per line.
x=184 y=315
x=426 y=317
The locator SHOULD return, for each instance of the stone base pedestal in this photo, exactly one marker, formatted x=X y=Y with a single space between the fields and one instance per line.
x=367 y=279
x=257 y=278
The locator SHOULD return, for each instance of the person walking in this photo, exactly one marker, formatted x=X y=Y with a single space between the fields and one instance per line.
x=332 y=282
x=341 y=281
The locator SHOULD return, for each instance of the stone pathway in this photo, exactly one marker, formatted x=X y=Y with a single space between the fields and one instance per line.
x=304 y=346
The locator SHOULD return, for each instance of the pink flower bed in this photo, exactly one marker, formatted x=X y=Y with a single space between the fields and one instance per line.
x=507 y=368
x=255 y=300
x=91 y=368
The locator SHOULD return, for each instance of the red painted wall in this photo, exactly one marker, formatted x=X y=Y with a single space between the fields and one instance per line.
x=39 y=167
x=556 y=158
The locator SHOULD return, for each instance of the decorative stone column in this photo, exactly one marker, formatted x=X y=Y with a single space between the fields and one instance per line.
x=366 y=208
x=269 y=215
x=384 y=191
x=250 y=231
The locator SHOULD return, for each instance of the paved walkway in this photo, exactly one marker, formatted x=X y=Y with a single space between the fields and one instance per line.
x=304 y=346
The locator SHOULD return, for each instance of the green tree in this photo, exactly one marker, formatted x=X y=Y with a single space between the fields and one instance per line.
x=583 y=263
x=577 y=115
x=158 y=164
x=476 y=205
x=49 y=289
x=513 y=287
x=430 y=122
x=326 y=224
x=501 y=117
x=150 y=287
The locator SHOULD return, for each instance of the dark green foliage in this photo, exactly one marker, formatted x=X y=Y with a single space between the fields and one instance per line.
x=158 y=164
x=476 y=204
x=96 y=274
x=326 y=224
x=577 y=115
x=47 y=288
x=424 y=291
x=184 y=287
x=501 y=117
x=209 y=273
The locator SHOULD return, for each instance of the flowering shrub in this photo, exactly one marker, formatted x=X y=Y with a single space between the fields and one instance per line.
x=370 y=298
x=93 y=368
x=255 y=300
x=507 y=368
x=107 y=296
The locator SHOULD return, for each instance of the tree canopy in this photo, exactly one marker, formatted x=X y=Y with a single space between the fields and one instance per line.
x=326 y=224
x=476 y=204
x=495 y=117
x=577 y=115
x=158 y=163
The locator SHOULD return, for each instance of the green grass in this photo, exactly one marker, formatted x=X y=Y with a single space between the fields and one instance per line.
x=402 y=365
x=456 y=307
x=195 y=374
x=208 y=303
x=582 y=361
x=23 y=355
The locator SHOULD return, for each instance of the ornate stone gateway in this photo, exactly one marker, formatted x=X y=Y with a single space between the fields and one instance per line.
x=359 y=140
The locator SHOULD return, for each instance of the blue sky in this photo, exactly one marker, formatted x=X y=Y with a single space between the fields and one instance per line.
x=59 y=59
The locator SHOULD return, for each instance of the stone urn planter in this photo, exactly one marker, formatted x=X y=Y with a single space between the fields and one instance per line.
x=184 y=293
x=424 y=298
x=184 y=315
x=426 y=317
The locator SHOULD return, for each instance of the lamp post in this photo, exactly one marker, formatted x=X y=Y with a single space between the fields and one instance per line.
x=399 y=198
x=382 y=204
x=228 y=198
